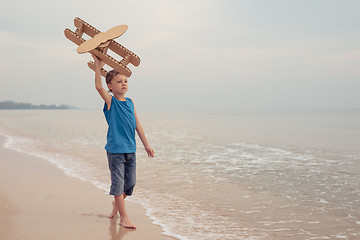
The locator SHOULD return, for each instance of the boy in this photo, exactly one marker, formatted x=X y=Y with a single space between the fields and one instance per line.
x=122 y=120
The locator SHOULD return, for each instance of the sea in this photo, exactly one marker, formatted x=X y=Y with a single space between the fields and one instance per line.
x=221 y=174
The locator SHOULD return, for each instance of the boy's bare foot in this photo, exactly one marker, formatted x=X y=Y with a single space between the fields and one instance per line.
x=126 y=223
x=114 y=211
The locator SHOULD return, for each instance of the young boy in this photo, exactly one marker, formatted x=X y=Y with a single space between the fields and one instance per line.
x=122 y=120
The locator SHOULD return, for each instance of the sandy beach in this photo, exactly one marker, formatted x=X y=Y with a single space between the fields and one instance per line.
x=39 y=201
x=278 y=174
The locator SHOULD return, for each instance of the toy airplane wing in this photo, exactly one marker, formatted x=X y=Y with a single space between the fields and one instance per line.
x=102 y=38
x=99 y=43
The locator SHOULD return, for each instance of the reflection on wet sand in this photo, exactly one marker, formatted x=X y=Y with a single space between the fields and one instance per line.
x=116 y=231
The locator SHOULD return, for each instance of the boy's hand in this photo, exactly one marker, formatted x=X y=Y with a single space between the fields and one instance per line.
x=150 y=151
x=97 y=61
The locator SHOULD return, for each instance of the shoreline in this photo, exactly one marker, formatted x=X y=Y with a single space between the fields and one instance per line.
x=39 y=201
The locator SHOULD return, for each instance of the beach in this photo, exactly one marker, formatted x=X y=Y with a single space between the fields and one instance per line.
x=39 y=201
x=249 y=174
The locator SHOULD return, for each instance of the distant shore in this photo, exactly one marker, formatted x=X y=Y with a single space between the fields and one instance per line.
x=16 y=105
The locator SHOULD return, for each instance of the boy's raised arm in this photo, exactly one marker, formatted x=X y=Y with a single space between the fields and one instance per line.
x=98 y=84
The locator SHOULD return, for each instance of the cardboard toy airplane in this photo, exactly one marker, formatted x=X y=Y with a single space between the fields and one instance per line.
x=99 y=43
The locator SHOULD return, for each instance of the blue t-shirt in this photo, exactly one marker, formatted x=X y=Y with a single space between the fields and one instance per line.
x=122 y=124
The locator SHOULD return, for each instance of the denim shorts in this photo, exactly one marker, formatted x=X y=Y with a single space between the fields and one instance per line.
x=123 y=173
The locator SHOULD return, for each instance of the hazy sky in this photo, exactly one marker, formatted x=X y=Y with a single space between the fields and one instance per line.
x=194 y=54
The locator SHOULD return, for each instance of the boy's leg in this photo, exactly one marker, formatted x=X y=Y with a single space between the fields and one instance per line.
x=115 y=210
x=116 y=163
x=122 y=167
x=124 y=219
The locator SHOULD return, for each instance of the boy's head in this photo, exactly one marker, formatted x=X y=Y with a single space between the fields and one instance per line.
x=110 y=75
x=122 y=79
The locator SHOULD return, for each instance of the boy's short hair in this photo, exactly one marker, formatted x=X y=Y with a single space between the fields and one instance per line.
x=110 y=75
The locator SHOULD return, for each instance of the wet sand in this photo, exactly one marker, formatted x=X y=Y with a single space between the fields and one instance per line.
x=39 y=201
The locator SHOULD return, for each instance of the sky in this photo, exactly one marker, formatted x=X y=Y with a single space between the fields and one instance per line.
x=198 y=54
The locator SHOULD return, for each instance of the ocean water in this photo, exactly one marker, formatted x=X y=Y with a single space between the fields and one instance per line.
x=246 y=174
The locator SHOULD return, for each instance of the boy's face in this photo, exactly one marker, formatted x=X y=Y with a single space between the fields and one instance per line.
x=119 y=84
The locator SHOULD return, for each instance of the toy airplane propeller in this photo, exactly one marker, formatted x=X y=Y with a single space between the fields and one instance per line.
x=99 y=43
